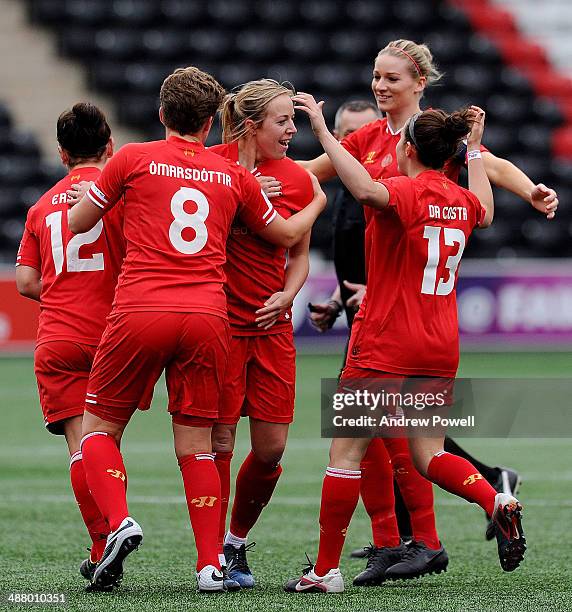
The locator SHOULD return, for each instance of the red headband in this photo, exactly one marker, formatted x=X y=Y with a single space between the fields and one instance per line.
x=409 y=57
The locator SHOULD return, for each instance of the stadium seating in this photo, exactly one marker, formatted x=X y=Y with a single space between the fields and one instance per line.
x=23 y=179
x=325 y=47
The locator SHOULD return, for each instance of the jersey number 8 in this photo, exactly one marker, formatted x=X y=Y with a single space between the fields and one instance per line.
x=183 y=219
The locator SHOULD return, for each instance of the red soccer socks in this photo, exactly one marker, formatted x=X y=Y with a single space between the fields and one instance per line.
x=105 y=475
x=96 y=525
x=222 y=462
x=417 y=493
x=340 y=494
x=203 y=493
x=255 y=484
x=459 y=476
x=377 y=494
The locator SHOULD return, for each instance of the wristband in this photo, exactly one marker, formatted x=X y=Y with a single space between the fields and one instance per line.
x=334 y=304
x=474 y=155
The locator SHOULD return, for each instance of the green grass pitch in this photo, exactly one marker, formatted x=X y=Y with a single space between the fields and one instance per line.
x=42 y=539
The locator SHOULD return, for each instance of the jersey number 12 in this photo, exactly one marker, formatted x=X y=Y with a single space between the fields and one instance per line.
x=452 y=236
x=74 y=263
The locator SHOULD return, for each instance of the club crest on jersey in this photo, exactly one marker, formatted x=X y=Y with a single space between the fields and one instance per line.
x=75 y=177
x=369 y=158
x=116 y=474
x=386 y=161
x=205 y=500
x=189 y=152
x=472 y=479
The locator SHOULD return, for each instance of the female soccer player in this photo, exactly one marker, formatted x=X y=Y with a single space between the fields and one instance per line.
x=170 y=308
x=414 y=250
x=401 y=72
x=261 y=283
x=52 y=270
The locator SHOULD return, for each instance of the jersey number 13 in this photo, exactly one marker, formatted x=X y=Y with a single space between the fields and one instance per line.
x=451 y=236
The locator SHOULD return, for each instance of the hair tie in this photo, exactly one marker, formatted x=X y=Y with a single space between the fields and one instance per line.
x=409 y=56
x=411 y=129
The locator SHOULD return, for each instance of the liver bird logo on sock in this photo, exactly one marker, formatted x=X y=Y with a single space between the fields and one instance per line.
x=205 y=500
x=116 y=474
x=472 y=479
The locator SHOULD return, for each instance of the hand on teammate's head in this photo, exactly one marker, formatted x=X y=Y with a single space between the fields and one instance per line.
x=306 y=102
x=477 y=116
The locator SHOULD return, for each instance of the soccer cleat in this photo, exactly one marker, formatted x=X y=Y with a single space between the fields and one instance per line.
x=378 y=561
x=120 y=543
x=237 y=565
x=361 y=553
x=229 y=584
x=508 y=530
x=210 y=580
x=310 y=582
x=417 y=561
x=87 y=569
x=508 y=481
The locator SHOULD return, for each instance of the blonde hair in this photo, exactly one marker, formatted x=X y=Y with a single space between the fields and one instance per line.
x=249 y=102
x=420 y=59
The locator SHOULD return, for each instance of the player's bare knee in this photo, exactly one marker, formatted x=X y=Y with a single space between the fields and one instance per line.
x=223 y=437
x=347 y=453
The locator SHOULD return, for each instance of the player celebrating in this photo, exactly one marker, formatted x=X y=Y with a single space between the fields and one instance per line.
x=60 y=271
x=418 y=319
x=169 y=311
x=401 y=72
x=258 y=124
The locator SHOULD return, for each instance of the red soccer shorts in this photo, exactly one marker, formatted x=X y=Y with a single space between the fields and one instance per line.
x=260 y=379
x=62 y=369
x=135 y=349
x=396 y=383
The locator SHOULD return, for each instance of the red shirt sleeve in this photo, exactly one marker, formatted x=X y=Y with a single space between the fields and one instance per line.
x=352 y=144
x=255 y=209
x=29 y=250
x=401 y=196
x=110 y=185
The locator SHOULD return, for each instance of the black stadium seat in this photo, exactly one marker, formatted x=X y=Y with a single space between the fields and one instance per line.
x=325 y=47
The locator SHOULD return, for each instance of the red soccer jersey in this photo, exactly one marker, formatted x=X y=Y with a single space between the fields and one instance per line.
x=79 y=272
x=255 y=268
x=373 y=145
x=180 y=200
x=407 y=324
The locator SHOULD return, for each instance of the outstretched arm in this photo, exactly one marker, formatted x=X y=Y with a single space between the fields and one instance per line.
x=503 y=173
x=354 y=176
x=320 y=166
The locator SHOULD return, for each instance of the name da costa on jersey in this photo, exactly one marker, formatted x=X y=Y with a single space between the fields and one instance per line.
x=450 y=213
